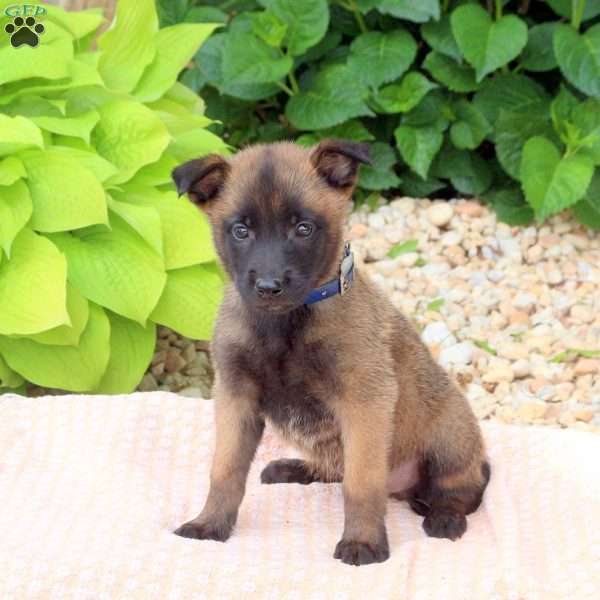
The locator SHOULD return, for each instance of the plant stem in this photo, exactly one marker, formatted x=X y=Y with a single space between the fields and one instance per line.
x=293 y=82
x=284 y=87
x=445 y=5
x=498 y=9
x=577 y=8
x=359 y=18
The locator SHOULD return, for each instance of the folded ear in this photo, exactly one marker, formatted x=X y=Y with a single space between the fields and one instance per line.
x=337 y=161
x=201 y=179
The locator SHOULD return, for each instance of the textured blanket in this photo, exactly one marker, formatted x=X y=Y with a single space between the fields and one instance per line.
x=91 y=488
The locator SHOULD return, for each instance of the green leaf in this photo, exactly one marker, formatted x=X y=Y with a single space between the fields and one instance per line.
x=128 y=47
x=553 y=182
x=538 y=54
x=78 y=23
x=49 y=60
x=129 y=135
x=307 y=22
x=578 y=57
x=79 y=126
x=434 y=110
x=587 y=211
x=378 y=57
x=269 y=28
x=403 y=248
x=144 y=219
x=32 y=286
x=11 y=170
x=380 y=175
x=64 y=367
x=510 y=206
x=131 y=350
x=86 y=157
x=350 y=130
x=572 y=354
x=412 y=185
x=18 y=133
x=206 y=14
x=586 y=118
x=326 y=102
x=186 y=233
x=456 y=77
x=8 y=378
x=562 y=107
x=435 y=305
x=484 y=345
x=247 y=59
x=467 y=171
x=175 y=46
x=115 y=269
x=403 y=96
x=67 y=335
x=195 y=143
x=15 y=211
x=171 y=12
x=438 y=34
x=417 y=11
x=487 y=45
x=564 y=8
x=418 y=146
x=470 y=128
x=513 y=93
x=81 y=201
x=190 y=300
x=512 y=132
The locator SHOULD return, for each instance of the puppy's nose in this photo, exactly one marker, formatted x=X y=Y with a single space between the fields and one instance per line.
x=267 y=287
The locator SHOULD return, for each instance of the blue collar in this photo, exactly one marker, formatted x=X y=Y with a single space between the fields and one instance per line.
x=341 y=285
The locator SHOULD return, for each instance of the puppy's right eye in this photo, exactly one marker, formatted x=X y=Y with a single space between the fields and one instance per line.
x=239 y=231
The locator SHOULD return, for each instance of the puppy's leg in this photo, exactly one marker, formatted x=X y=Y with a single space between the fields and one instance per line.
x=365 y=434
x=289 y=470
x=453 y=477
x=239 y=430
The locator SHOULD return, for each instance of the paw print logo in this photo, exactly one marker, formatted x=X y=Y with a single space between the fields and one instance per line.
x=24 y=31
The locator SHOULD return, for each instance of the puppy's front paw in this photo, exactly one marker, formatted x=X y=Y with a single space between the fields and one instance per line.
x=205 y=530
x=445 y=524
x=361 y=553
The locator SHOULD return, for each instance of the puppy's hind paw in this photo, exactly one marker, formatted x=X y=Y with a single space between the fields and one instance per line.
x=201 y=530
x=361 y=553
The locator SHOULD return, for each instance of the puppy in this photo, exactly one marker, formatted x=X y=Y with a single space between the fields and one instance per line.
x=342 y=376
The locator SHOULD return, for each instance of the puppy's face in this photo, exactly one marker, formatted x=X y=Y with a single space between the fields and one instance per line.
x=277 y=213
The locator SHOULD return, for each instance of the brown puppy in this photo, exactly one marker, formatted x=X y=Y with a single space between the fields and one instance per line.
x=347 y=380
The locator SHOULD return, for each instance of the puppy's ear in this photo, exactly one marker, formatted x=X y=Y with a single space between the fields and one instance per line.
x=337 y=161
x=201 y=179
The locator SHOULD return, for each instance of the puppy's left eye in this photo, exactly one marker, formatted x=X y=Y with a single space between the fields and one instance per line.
x=304 y=229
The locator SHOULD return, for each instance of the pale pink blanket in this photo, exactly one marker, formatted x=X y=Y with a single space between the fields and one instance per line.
x=91 y=488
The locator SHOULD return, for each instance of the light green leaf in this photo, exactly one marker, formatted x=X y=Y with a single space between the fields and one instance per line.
x=11 y=170
x=403 y=96
x=186 y=234
x=18 y=133
x=77 y=23
x=378 y=57
x=586 y=118
x=157 y=173
x=190 y=300
x=513 y=93
x=195 y=143
x=418 y=11
x=438 y=34
x=85 y=155
x=67 y=335
x=115 y=269
x=129 y=135
x=175 y=46
x=418 y=146
x=306 y=21
x=81 y=201
x=80 y=126
x=131 y=350
x=512 y=132
x=128 y=47
x=553 y=182
x=403 y=248
x=269 y=28
x=436 y=305
x=326 y=102
x=15 y=211
x=144 y=219
x=470 y=127
x=32 y=286
x=538 y=54
x=8 y=378
x=487 y=45
x=456 y=77
x=562 y=107
x=65 y=367
x=247 y=59
x=578 y=56
x=564 y=8
x=380 y=175
x=484 y=345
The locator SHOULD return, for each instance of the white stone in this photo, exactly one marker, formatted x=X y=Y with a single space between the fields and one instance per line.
x=440 y=213
x=524 y=301
x=376 y=221
x=459 y=354
x=438 y=334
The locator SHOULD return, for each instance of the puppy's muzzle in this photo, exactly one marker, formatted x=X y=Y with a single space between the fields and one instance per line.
x=267 y=287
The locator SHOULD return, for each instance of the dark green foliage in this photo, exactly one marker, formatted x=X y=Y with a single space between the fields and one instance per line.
x=498 y=99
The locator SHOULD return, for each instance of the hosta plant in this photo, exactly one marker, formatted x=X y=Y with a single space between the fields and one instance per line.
x=95 y=246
